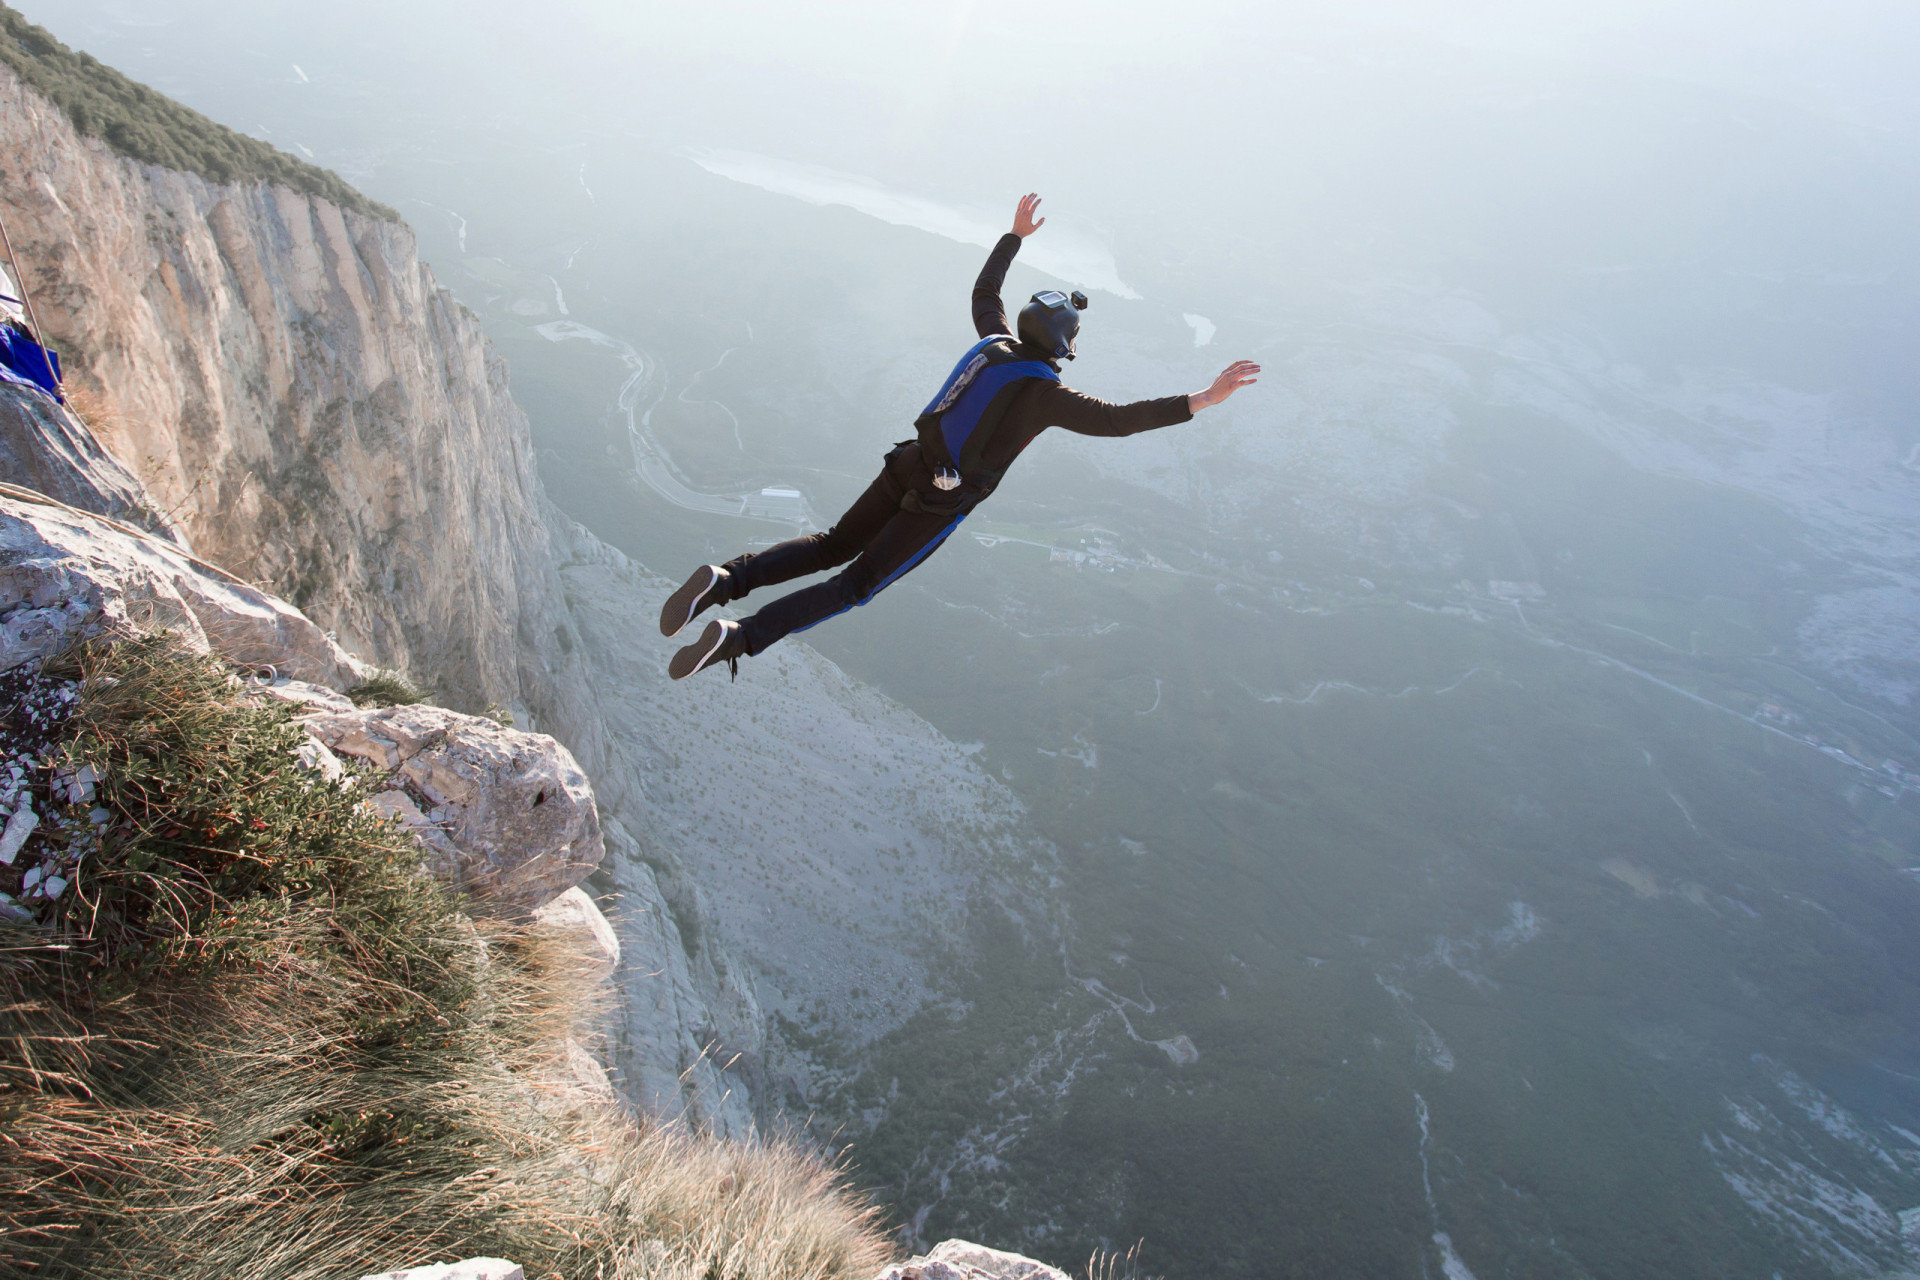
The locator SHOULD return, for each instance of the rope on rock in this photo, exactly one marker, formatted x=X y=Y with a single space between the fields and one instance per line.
x=33 y=317
x=20 y=493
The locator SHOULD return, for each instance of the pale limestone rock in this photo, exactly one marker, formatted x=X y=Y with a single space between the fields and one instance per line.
x=868 y=840
x=400 y=807
x=514 y=809
x=361 y=451
x=471 y=1269
x=587 y=1075
x=669 y=993
x=76 y=784
x=307 y=699
x=65 y=573
x=962 y=1260
x=315 y=756
x=44 y=447
x=591 y=950
x=20 y=825
x=575 y=914
x=323 y=416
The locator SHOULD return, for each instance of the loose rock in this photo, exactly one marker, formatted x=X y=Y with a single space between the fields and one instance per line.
x=592 y=938
x=19 y=827
x=962 y=1260
x=471 y=1269
x=508 y=816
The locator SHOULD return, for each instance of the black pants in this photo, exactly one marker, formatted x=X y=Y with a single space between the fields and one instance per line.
x=883 y=542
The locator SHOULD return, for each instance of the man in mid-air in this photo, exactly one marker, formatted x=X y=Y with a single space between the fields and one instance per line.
x=1003 y=393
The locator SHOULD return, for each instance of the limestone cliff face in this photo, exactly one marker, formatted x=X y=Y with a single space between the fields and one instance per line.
x=294 y=387
x=292 y=393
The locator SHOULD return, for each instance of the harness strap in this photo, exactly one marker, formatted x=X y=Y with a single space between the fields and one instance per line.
x=960 y=423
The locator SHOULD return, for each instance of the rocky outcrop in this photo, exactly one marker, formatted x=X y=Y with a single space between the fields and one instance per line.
x=594 y=948
x=293 y=383
x=45 y=448
x=508 y=816
x=574 y=914
x=66 y=573
x=678 y=987
x=963 y=1260
x=322 y=416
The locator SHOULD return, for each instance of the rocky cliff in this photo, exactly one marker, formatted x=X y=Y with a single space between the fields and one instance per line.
x=308 y=408
x=294 y=387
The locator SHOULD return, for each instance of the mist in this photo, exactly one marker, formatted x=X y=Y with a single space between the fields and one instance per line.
x=1491 y=743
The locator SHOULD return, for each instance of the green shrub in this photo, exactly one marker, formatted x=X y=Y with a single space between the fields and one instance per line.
x=217 y=836
x=152 y=128
x=253 y=1040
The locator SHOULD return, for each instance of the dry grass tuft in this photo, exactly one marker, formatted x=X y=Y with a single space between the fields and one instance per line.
x=241 y=1053
x=91 y=407
x=1105 y=1264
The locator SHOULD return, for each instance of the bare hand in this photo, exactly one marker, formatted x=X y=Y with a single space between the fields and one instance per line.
x=1024 y=223
x=1235 y=376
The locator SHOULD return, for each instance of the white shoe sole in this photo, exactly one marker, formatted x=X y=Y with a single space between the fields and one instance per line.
x=703 y=652
x=681 y=607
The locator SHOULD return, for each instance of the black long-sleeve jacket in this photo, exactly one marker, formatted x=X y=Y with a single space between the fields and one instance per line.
x=1039 y=404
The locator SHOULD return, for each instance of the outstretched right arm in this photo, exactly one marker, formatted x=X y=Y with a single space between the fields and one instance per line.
x=1235 y=376
x=989 y=314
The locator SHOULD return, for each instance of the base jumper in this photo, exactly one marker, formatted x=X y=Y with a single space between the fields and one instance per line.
x=1005 y=391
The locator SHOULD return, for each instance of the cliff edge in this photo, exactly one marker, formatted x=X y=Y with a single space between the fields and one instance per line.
x=308 y=408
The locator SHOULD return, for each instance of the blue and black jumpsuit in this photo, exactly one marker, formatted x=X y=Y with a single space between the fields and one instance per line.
x=885 y=541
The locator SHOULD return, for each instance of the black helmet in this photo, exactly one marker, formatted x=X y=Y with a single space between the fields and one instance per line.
x=1051 y=322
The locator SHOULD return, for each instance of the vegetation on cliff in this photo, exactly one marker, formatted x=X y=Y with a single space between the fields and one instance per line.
x=384 y=688
x=247 y=1037
x=154 y=129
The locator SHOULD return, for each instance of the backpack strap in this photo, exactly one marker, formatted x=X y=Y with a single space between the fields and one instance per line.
x=960 y=422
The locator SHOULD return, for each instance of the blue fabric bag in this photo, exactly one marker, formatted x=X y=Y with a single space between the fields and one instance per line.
x=28 y=361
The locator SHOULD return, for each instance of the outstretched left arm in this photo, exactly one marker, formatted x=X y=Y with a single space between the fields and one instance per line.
x=989 y=316
x=1235 y=376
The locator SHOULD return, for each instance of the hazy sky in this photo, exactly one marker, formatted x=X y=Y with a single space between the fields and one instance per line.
x=1496 y=142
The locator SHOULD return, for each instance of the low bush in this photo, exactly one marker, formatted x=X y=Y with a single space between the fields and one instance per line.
x=387 y=689
x=250 y=1038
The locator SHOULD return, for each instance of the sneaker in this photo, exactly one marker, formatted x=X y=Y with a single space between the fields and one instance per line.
x=708 y=586
x=722 y=641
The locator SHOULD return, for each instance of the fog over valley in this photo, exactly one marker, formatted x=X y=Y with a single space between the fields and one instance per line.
x=1457 y=803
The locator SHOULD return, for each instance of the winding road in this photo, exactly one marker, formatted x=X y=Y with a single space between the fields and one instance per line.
x=645 y=384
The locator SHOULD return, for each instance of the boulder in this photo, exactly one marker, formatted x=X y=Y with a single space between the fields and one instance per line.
x=507 y=816
x=588 y=956
x=65 y=573
x=961 y=1260
x=588 y=933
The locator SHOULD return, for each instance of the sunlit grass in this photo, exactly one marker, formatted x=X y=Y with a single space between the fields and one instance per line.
x=256 y=1041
